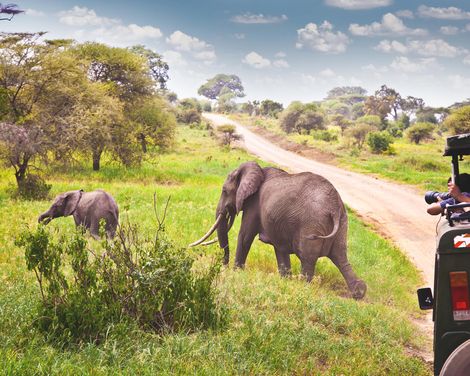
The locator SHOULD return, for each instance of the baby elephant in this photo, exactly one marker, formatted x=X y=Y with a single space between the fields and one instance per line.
x=87 y=208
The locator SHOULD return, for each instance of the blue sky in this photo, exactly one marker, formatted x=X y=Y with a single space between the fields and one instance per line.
x=289 y=50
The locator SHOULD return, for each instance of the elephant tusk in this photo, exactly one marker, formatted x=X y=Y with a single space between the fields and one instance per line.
x=210 y=242
x=209 y=233
x=232 y=219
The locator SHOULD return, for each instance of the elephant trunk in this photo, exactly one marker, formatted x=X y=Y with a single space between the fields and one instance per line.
x=45 y=218
x=222 y=235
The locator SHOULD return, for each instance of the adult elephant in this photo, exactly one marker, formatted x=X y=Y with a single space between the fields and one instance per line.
x=87 y=209
x=296 y=213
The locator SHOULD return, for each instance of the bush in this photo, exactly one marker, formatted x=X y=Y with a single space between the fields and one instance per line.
x=419 y=132
x=142 y=281
x=300 y=117
x=188 y=115
x=459 y=120
x=324 y=135
x=33 y=187
x=228 y=134
x=358 y=134
x=379 y=142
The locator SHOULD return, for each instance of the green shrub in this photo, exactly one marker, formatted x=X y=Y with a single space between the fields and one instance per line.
x=188 y=115
x=379 y=142
x=459 y=120
x=358 y=133
x=420 y=131
x=299 y=116
x=32 y=187
x=324 y=135
x=131 y=279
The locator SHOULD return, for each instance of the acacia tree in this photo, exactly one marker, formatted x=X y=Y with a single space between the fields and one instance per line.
x=299 y=116
x=31 y=71
x=10 y=10
x=158 y=68
x=223 y=88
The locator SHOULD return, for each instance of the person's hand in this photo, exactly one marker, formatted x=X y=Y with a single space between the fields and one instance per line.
x=454 y=191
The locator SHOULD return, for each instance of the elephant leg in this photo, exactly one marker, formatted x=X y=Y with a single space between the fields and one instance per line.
x=357 y=286
x=94 y=227
x=283 y=262
x=308 y=267
x=248 y=230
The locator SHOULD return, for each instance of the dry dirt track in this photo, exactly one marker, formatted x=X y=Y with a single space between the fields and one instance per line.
x=397 y=210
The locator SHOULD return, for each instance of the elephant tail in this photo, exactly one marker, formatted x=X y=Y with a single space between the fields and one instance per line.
x=336 y=220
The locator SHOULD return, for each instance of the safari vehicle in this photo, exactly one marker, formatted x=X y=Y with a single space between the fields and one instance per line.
x=451 y=301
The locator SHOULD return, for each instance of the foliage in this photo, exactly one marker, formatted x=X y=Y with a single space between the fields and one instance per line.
x=270 y=108
x=131 y=279
x=228 y=134
x=33 y=187
x=379 y=142
x=358 y=133
x=222 y=84
x=324 y=135
x=459 y=120
x=188 y=116
x=157 y=67
x=10 y=9
x=340 y=121
x=345 y=91
x=154 y=123
x=419 y=132
x=372 y=120
x=299 y=116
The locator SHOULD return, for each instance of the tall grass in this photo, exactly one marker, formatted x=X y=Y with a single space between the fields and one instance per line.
x=276 y=325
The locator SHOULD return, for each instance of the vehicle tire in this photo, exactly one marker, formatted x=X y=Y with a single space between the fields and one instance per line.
x=458 y=363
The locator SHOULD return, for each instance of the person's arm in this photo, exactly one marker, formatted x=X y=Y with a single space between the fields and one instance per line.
x=456 y=193
x=435 y=209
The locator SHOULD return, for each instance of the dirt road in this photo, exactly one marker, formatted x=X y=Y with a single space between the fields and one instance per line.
x=398 y=211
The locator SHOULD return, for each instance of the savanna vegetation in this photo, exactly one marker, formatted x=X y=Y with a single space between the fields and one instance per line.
x=86 y=116
x=385 y=134
x=271 y=325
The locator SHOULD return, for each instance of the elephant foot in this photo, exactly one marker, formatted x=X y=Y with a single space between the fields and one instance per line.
x=358 y=289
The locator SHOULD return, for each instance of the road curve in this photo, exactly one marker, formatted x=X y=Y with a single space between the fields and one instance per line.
x=398 y=210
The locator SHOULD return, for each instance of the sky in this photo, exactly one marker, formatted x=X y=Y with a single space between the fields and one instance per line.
x=281 y=50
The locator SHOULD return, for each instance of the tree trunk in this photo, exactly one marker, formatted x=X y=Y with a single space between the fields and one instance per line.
x=96 y=159
x=143 y=142
x=20 y=173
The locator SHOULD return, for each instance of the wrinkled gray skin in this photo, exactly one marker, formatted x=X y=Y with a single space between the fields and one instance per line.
x=87 y=208
x=296 y=213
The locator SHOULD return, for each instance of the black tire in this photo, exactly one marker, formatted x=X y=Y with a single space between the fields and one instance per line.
x=458 y=363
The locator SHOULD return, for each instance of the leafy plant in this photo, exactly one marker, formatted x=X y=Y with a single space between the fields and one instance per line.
x=419 y=132
x=86 y=288
x=379 y=142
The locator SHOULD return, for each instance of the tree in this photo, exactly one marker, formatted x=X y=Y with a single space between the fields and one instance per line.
x=419 y=132
x=34 y=72
x=459 y=120
x=154 y=123
x=270 y=108
x=299 y=116
x=158 y=69
x=11 y=10
x=221 y=85
x=379 y=142
x=359 y=133
x=410 y=105
x=228 y=134
x=341 y=91
x=341 y=122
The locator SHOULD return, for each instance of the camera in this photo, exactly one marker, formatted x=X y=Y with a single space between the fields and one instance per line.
x=432 y=196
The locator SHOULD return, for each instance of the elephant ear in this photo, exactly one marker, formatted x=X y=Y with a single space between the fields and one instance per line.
x=71 y=201
x=251 y=177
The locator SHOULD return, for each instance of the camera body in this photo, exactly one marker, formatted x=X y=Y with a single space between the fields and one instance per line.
x=433 y=196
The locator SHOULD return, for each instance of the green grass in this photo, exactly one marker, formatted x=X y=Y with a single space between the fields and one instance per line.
x=421 y=165
x=276 y=325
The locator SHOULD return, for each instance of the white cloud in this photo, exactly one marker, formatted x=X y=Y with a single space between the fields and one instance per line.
x=322 y=38
x=434 y=47
x=405 y=13
x=239 y=36
x=78 y=16
x=34 y=13
x=404 y=65
x=467 y=27
x=390 y=25
x=174 y=58
x=327 y=73
x=466 y=60
x=249 y=18
x=377 y=72
x=197 y=47
x=256 y=60
x=449 y=30
x=281 y=63
x=281 y=54
x=309 y=78
x=358 y=4
x=459 y=82
x=450 y=13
